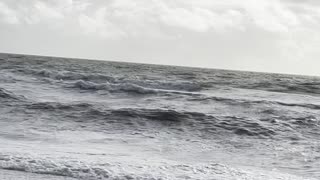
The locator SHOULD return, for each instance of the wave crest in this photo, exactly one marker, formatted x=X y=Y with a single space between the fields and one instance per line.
x=4 y=94
x=124 y=87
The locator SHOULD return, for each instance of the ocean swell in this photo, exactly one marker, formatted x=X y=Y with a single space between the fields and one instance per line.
x=248 y=102
x=135 y=119
x=96 y=78
x=67 y=75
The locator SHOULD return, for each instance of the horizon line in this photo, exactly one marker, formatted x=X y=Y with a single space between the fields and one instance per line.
x=155 y=64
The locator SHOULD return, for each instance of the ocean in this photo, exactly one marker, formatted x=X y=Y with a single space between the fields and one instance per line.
x=66 y=118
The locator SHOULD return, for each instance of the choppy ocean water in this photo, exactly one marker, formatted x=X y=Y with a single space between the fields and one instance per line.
x=107 y=120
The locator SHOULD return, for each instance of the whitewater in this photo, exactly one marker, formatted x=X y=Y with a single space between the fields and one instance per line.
x=68 y=119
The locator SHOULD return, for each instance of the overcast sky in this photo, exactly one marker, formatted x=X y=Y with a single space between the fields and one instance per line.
x=259 y=35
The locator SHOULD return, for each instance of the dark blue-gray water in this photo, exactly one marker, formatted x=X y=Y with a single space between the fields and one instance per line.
x=108 y=120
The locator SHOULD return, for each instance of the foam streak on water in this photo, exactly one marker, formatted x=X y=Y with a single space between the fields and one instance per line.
x=106 y=120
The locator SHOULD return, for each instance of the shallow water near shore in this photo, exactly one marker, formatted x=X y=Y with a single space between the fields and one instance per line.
x=107 y=120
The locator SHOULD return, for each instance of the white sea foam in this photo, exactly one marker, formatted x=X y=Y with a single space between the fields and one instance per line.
x=120 y=171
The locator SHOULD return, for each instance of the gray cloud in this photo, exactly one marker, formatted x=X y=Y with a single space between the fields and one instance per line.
x=122 y=17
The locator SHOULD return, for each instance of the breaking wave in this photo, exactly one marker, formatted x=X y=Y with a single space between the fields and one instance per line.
x=60 y=168
x=82 y=170
x=125 y=87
